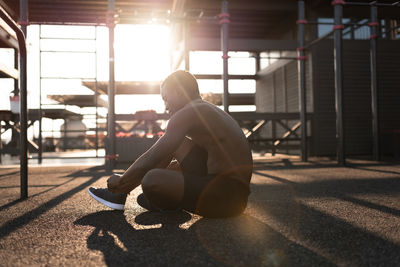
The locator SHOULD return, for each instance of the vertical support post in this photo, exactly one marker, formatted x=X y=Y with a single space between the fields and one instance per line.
x=386 y=29
x=23 y=104
x=273 y=122
x=224 y=21
x=352 y=30
x=1 y=144
x=338 y=63
x=40 y=100
x=392 y=27
x=301 y=62
x=374 y=83
x=186 y=43
x=15 y=136
x=16 y=85
x=65 y=135
x=258 y=61
x=96 y=95
x=110 y=157
x=285 y=100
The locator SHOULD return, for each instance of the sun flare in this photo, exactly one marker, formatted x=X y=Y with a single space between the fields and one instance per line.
x=142 y=52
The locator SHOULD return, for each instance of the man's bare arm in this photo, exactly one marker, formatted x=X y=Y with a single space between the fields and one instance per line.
x=159 y=152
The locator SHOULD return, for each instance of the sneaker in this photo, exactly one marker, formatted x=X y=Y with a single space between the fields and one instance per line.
x=108 y=198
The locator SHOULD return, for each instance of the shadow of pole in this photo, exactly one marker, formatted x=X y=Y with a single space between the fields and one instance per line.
x=26 y=218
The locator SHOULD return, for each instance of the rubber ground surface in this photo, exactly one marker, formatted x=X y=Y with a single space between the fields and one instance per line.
x=299 y=214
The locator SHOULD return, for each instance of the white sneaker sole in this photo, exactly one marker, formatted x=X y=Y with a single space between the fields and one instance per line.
x=107 y=203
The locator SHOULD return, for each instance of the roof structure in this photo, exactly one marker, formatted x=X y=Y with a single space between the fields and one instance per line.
x=260 y=19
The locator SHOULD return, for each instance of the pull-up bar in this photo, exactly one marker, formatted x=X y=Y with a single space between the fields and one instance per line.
x=23 y=99
x=373 y=3
x=315 y=41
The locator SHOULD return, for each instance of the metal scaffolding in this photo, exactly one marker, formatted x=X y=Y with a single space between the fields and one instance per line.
x=337 y=32
x=77 y=100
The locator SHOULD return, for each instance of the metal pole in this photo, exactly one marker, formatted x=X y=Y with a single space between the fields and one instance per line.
x=96 y=95
x=110 y=157
x=40 y=100
x=65 y=135
x=338 y=13
x=23 y=102
x=258 y=61
x=186 y=43
x=224 y=21
x=273 y=122
x=16 y=60
x=302 y=78
x=1 y=147
x=374 y=84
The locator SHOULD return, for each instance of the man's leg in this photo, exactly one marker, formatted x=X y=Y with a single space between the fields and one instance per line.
x=163 y=188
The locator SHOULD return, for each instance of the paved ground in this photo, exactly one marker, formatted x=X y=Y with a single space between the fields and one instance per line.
x=299 y=214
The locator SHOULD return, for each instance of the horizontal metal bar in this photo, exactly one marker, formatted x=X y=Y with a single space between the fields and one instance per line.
x=278 y=57
x=267 y=116
x=88 y=157
x=236 y=44
x=315 y=41
x=373 y=3
x=66 y=38
x=389 y=30
x=67 y=51
x=219 y=76
x=130 y=117
x=332 y=23
x=67 y=78
x=271 y=139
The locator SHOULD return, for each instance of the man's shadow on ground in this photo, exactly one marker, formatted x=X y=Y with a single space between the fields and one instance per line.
x=240 y=241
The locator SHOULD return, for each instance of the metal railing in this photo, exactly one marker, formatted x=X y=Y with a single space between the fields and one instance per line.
x=23 y=102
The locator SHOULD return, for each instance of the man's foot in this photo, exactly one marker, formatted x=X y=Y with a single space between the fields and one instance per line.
x=108 y=198
x=145 y=203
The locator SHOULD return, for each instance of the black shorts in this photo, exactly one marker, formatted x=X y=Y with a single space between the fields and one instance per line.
x=211 y=195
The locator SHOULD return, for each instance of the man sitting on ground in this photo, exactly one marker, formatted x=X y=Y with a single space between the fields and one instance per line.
x=215 y=161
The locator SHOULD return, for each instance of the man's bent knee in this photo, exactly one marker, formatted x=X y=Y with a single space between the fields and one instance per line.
x=151 y=181
x=159 y=190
